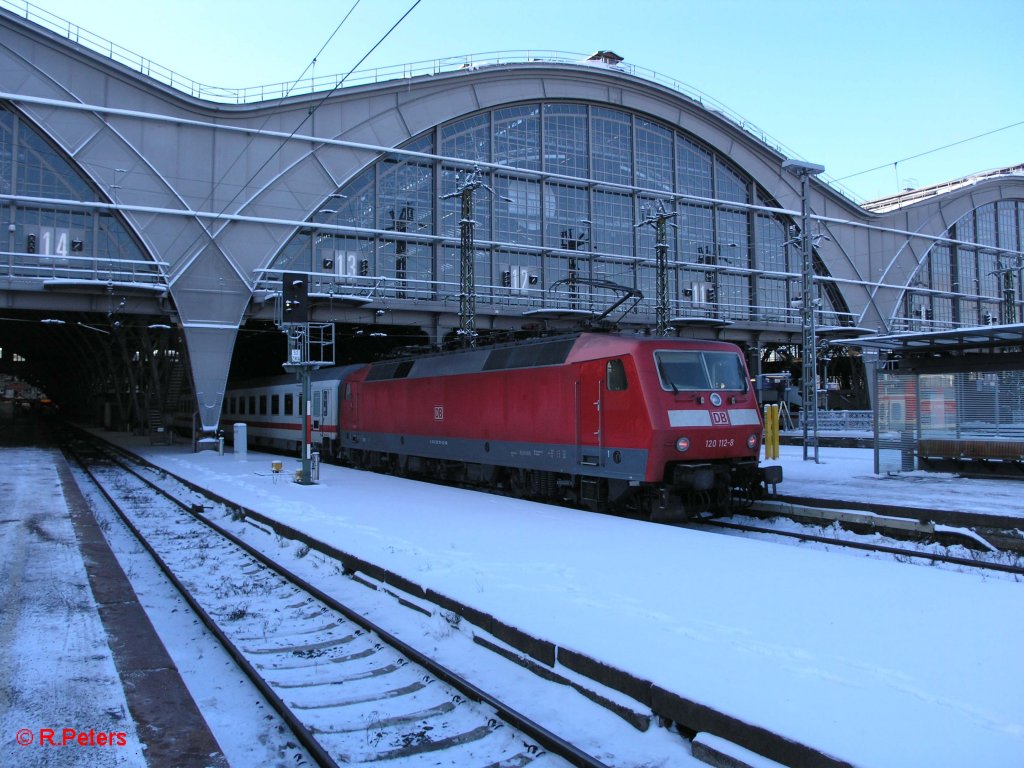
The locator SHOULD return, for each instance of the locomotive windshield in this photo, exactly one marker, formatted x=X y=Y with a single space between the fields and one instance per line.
x=681 y=370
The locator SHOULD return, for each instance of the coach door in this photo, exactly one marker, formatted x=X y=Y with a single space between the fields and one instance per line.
x=319 y=415
x=590 y=394
x=348 y=408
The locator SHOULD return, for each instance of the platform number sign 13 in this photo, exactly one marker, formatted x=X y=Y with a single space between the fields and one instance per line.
x=438 y=413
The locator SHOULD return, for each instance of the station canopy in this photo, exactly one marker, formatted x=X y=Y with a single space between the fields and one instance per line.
x=957 y=339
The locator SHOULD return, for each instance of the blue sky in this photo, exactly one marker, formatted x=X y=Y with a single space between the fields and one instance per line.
x=848 y=85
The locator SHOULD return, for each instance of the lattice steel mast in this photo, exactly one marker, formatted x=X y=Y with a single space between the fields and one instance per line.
x=464 y=189
x=809 y=358
x=660 y=222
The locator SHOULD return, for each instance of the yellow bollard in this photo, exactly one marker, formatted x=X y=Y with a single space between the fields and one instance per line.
x=767 y=431
x=773 y=417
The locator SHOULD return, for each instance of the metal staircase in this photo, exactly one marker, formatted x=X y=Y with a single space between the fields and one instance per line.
x=160 y=413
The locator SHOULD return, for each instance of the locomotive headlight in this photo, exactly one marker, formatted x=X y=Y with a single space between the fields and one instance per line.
x=683 y=444
x=753 y=441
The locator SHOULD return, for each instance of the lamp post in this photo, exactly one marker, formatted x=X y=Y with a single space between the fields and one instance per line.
x=809 y=364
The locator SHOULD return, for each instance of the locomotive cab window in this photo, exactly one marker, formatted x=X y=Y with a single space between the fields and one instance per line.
x=726 y=371
x=681 y=370
x=616 y=376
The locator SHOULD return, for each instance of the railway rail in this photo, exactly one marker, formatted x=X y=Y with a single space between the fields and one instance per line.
x=1007 y=559
x=667 y=708
x=350 y=691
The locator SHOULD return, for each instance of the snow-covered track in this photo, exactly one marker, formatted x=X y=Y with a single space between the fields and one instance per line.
x=351 y=692
x=985 y=559
x=1001 y=530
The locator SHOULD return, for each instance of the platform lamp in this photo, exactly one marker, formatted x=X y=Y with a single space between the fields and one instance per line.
x=809 y=363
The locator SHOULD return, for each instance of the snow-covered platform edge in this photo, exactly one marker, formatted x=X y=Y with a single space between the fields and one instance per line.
x=723 y=754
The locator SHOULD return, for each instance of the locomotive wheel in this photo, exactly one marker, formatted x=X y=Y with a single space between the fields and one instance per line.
x=517 y=483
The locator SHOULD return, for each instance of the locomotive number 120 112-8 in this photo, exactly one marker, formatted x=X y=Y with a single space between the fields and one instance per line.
x=721 y=442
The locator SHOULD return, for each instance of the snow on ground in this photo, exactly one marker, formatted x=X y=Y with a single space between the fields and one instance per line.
x=848 y=473
x=56 y=667
x=876 y=662
x=56 y=670
x=246 y=728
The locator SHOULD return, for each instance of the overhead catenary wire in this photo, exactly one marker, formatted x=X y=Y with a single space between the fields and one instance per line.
x=311 y=110
x=930 y=151
x=253 y=137
x=355 y=66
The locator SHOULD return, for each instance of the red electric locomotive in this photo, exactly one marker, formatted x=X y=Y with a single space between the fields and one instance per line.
x=660 y=427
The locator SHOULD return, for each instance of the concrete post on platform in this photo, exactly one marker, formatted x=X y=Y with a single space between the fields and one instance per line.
x=241 y=441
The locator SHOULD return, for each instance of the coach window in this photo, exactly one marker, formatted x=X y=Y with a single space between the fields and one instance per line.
x=616 y=376
x=252 y=405
x=275 y=405
x=263 y=405
x=288 y=409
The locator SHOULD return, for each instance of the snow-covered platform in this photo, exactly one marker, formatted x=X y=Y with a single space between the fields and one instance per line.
x=870 y=662
x=84 y=678
x=847 y=474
